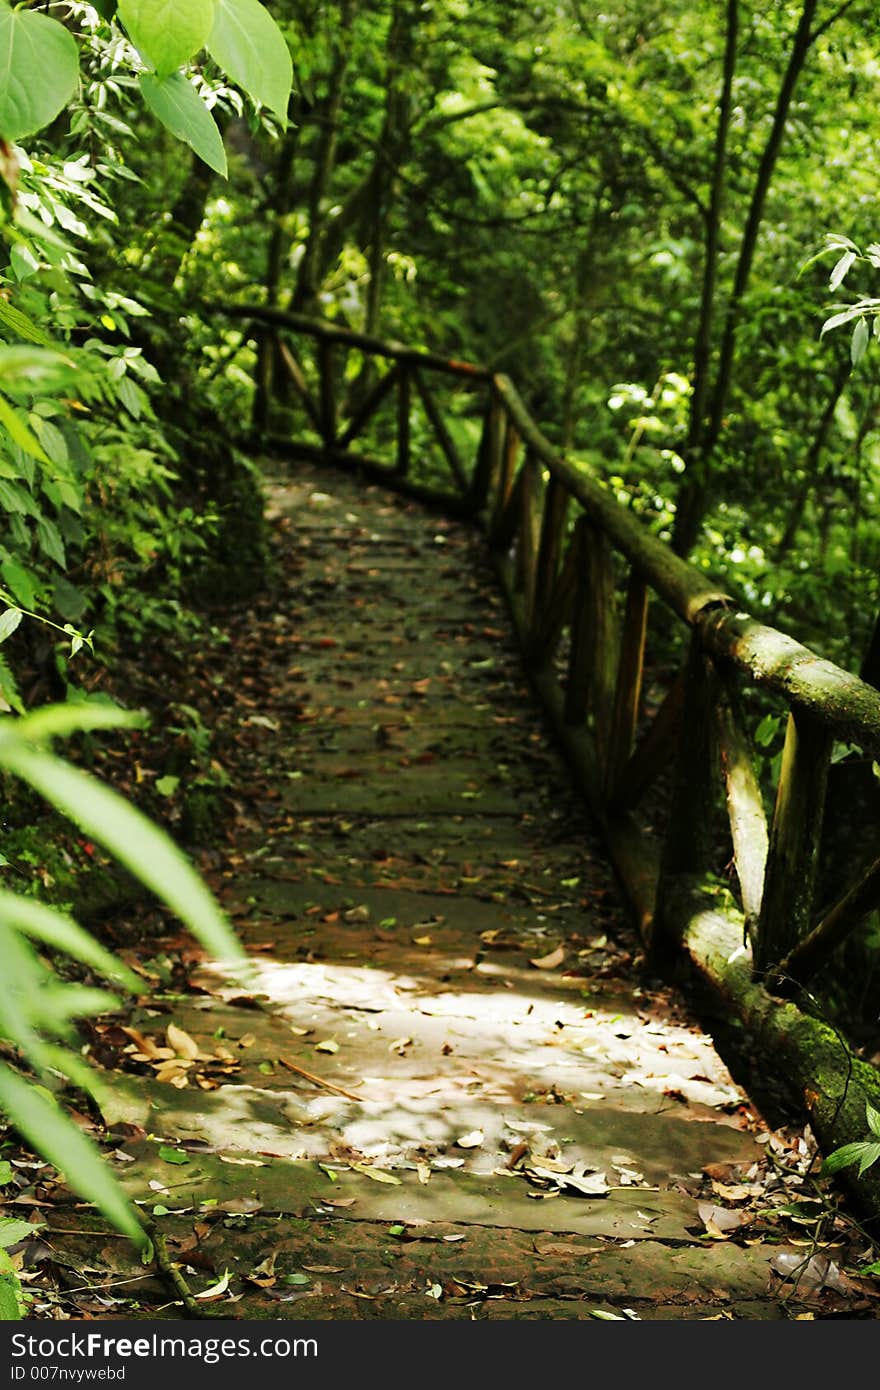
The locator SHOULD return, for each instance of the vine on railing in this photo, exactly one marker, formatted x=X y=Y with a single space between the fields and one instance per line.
x=590 y=588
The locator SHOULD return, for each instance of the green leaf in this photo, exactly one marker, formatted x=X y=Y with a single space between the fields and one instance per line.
x=17 y=500
x=9 y=621
x=21 y=582
x=766 y=730
x=53 y=928
x=859 y=342
x=853 y=311
x=860 y=1152
x=19 y=433
x=839 y=272
x=167 y=33
x=141 y=846
x=5 y=1172
x=45 y=1126
x=169 y=1155
x=19 y=323
x=167 y=786
x=39 y=71
x=52 y=440
x=27 y=369
x=50 y=541
x=10 y=1303
x=181 y=110
x=869 y=1157
x=54 y=721
x=248 y=45
x=12 y=1230
x=9 y=696
x=873 y=1117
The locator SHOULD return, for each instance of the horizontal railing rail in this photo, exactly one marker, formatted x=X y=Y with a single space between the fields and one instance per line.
x=583 y=575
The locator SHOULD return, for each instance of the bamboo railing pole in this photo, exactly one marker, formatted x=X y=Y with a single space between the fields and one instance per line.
x=556 y=501
x=603 y=635
x=810 y=955
x=441 y=430
x=326 y=369
x=368 y=407
x=528 y=533
x=793 y=856
x=628 y=689
x=745 y=805
x=687 y=842
x=653 y=751
x=488 y=454
x=577 y=686
x=404 y=401
x=558 y=607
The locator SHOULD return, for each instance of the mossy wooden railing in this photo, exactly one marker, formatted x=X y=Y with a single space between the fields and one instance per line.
x=587 y=582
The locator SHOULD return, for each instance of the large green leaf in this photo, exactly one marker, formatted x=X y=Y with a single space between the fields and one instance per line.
x=167 y=33
x=28 y=369
x=54 y=929
x=59 y=721
x=135 y=841
x=19 y=432
x=181 y=110
x=25 y=327
x=39 y=70
x=249 y=46
x=44 y=1124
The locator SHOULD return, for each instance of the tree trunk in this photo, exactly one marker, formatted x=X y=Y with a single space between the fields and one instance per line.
x=801 y=497
x=312 y=267
x=694 y=495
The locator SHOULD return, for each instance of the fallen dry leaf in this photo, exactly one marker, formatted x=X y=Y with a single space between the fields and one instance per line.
x=473 y=1140
x=377 y=1174
x=183 y=1044
x=215 y=1291
x=721 y=1218
x=549 y=962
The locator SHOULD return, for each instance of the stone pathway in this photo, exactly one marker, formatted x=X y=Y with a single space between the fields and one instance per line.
x=450 y=1090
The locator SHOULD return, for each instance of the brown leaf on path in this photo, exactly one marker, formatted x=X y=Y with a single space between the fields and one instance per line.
x=721 y=1218
x=377 y=1174
x=472 y=1140
x=552 y=961
x=181 y=1042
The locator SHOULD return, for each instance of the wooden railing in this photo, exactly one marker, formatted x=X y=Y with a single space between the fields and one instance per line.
x=596 y=596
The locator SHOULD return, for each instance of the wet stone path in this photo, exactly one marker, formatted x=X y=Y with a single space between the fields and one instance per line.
x=451 y=1090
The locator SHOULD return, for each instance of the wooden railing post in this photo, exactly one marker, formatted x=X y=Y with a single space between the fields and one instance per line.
x=557 y=607
x=505 y=453
x=264 y=372
x=441 y=430
x=404 y=400
x=813 y=952
x=745 y=805
x=628 y=690
x=792 y=861
x=326 y=370
x=528 y=534
x=368 y=407
x=556 y=500
x=594 y=651
x=488 y=452
x=687 y=844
